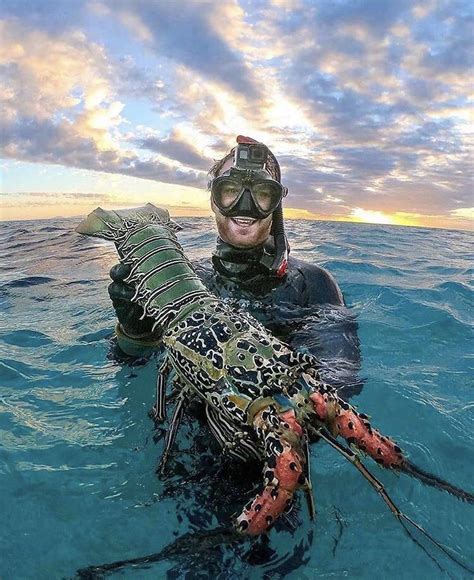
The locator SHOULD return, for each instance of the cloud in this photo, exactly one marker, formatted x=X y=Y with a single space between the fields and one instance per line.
x=367 y=162
x=43 y=141
x=376 y=16
x=176 y=147
x=136 y=82
x=60 y=107
x=49 y=16
x=378 y=104
x=188 y=34
x=47 y=75
x=464 y=213
x=41 y=198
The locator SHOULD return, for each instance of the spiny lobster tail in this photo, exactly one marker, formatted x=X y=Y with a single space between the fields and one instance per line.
x=107 y=224
x=166 y=285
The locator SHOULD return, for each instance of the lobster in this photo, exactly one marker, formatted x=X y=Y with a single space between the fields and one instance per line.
x=263 y=401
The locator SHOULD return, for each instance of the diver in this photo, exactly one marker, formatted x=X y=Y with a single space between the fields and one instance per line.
x=301 y=303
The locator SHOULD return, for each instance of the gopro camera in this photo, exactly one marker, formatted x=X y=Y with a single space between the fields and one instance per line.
x=250 y=156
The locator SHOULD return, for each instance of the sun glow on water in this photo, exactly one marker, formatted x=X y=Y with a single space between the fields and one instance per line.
x=398 y=219
x=371 y=216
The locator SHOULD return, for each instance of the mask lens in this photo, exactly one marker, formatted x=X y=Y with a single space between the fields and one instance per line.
x=225 y=192
x=267 y=195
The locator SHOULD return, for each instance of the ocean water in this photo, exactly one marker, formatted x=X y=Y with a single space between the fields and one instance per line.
x=79 y=452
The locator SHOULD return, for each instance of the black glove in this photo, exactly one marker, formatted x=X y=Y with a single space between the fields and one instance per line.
x=128 y=313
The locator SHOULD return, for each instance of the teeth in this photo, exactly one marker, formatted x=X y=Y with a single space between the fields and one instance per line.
x=244 y=221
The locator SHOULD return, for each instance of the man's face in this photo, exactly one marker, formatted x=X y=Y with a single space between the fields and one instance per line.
x=241 y=232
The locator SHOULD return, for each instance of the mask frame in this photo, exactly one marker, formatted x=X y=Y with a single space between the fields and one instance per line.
x=247 y=180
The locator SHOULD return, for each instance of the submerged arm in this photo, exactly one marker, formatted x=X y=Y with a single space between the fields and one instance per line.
x=330 y=334
x=329 y=331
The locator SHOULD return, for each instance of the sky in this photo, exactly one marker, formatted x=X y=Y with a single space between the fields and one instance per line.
x=367 y=104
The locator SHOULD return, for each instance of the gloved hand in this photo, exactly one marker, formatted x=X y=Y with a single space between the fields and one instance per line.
x=128 y=313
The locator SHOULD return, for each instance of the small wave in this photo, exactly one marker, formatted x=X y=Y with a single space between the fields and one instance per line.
x=457 y=289
x=26 y=338
x=96 y=336
x=51 y=229
x=29 y=281
x=19 y=245
x=16 y=372
x=443 y=270
x=446 y=329
x=78 y=282
x=361 y=267
x=17 y=231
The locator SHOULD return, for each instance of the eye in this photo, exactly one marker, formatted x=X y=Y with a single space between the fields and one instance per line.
x=265 y=196
x=229 y=190
x=228 y=194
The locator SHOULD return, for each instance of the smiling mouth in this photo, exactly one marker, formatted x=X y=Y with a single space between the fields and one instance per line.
x=243 y=221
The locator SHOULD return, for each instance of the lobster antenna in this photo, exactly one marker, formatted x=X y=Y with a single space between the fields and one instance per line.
x=435 y=481
x=378 y=486
x=182 y=546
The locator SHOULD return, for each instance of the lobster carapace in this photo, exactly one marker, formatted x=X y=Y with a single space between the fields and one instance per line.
x=263 y=400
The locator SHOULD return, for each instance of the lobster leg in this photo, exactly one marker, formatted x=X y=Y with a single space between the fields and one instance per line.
x=158 y=411
x=172 y=431
x=309 y=486
x=283 y=471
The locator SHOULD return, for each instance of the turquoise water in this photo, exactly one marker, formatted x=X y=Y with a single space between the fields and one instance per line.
x=78 y=452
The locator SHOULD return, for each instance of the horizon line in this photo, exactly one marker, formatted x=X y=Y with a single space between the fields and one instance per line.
x=287 y=218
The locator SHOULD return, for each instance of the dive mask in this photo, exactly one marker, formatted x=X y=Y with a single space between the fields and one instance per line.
x=246 y=192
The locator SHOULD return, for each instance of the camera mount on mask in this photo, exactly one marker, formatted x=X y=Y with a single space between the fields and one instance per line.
x=250 y=155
